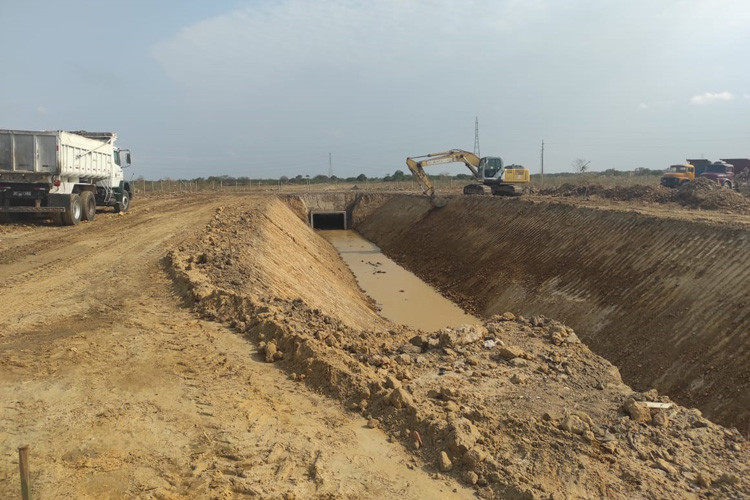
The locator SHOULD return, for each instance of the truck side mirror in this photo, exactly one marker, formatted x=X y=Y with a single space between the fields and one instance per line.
x=127 y=158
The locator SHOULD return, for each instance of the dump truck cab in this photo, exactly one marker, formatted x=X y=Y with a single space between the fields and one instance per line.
x=677 y=175
x=720 y=172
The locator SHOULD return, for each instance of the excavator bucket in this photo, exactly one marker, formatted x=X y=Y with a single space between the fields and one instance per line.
x=421 y=176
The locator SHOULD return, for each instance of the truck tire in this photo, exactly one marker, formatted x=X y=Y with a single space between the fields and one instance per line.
x=73 y=212
x=727 y=184
x=122 y=206
x=88 y=202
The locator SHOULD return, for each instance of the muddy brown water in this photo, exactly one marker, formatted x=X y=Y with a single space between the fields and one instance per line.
x=403 y=297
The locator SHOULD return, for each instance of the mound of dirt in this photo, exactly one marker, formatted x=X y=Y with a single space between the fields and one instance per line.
x=656 y=194
x=708 y=195
x=516 y=408
x=701 y=194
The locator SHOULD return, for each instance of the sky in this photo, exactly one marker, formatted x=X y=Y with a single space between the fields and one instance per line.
x=265 y=88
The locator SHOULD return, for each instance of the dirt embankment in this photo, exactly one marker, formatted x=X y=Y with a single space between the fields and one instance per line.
x=664 y=300
x=516 y=408
x=700 y=194
x=122 y=393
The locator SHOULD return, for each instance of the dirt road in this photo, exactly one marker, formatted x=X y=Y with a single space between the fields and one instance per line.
x=121 y=392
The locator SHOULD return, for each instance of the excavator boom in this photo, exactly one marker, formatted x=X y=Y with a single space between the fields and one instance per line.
x=452 y=156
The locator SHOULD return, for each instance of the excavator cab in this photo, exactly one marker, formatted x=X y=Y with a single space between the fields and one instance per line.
x=490 y=167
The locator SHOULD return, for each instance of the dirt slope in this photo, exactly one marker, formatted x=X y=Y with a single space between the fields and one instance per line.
x=517 y=408
x=663 y=299
x=121 y=392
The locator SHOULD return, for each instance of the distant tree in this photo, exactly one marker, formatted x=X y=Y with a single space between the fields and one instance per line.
x=387 y=178
x=580 y=165
x=320 y=178
x=361 y=178
x=399 y=175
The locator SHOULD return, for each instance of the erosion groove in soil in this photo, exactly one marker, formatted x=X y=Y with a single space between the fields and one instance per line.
x=516 y=408
x=664 y=299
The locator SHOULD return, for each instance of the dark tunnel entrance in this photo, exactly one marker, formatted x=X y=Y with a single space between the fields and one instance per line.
x=328 y=220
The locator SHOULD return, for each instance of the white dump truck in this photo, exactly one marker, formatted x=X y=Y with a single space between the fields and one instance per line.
x=64 y=174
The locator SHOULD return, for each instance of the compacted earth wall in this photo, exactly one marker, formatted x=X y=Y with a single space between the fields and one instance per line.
x=667 y=301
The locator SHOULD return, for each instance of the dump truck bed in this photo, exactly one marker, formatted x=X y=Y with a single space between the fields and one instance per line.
x=37 y=154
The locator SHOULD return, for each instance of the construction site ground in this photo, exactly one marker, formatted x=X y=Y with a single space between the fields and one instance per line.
x=212 y=345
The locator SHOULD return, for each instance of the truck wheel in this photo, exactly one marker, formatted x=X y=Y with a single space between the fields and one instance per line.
x=74 y=211
x=88 y=202
x=122 y=206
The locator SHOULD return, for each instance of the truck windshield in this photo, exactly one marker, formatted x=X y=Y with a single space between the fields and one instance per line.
x=677 y=168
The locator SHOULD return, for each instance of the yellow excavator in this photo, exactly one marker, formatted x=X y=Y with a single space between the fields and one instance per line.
x=492 y=176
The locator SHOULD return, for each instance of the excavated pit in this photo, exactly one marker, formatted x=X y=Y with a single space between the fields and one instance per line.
x=665 y=300
x=517 y=407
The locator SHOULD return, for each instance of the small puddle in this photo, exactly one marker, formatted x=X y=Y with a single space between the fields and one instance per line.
x=402 y=296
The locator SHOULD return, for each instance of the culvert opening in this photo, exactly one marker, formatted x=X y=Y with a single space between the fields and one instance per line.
x=328 y=220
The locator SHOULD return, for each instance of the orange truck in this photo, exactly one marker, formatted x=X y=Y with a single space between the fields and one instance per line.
x=677 y=175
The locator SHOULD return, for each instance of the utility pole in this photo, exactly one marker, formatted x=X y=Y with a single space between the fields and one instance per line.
x=476 y=136
x=330 y=166
x=542 y=183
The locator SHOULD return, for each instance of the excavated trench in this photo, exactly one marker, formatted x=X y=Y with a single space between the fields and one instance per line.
x=516 y=407
x=665 y=300
x=399 y=294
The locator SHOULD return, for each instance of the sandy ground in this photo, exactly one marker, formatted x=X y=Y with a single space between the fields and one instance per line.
x=121 y=392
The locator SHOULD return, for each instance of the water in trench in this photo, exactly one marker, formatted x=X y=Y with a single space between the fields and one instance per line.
x=403 y=297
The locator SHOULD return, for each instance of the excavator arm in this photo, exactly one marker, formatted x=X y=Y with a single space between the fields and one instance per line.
x=416 y=165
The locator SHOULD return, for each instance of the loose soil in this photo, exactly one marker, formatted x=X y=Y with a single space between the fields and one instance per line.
x=701 y=194
x=516 y=408
x=662 y=298
x=121 y=392
x=289 y=385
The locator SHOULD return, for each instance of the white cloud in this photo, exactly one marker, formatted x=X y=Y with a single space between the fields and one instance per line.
x=709 y=97
x=643 y=105
x=41 y=110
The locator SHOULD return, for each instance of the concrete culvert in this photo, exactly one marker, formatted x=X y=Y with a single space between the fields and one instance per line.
x=328 y=220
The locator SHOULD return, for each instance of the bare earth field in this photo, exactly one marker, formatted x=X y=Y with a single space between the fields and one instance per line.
x=214 y=346
x=121 y=392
